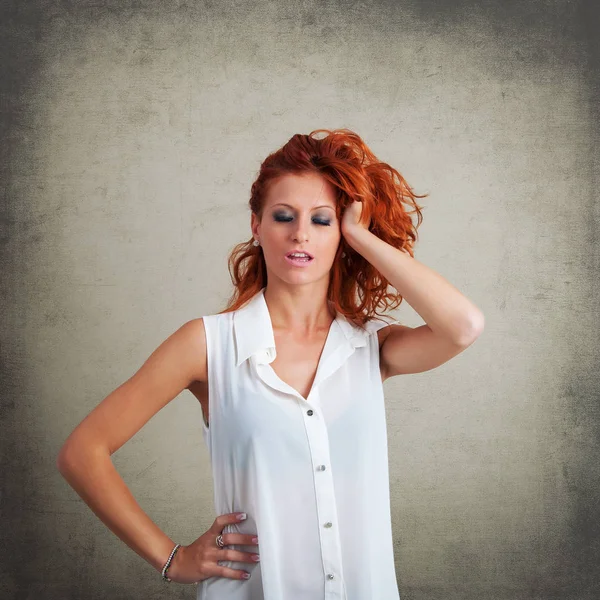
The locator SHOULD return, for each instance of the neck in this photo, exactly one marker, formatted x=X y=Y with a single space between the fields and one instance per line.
x=300 y=309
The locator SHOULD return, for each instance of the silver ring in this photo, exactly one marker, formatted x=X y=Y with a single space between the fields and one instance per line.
x=220 y=542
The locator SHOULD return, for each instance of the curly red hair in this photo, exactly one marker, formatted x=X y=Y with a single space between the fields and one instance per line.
x=356 y=289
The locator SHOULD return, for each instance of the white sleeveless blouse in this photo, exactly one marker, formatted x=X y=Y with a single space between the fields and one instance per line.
x=312 y=475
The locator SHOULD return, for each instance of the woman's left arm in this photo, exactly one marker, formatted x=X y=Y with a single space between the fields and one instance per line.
x=453 y=322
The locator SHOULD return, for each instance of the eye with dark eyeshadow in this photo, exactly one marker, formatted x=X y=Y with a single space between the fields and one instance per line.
x=281 y=218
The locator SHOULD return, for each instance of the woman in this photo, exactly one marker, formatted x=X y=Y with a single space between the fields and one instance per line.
x=289 y=377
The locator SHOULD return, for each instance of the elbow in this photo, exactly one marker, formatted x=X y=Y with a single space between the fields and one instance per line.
x=76 y=455
x=63 y=459
x=68 y=450
x=479 y=324
x=472 y=331
x=475 y=329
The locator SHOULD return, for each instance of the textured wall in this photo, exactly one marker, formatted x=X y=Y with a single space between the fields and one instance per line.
x=131 y=134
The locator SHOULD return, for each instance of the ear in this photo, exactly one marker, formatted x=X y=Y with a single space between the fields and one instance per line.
x=254 y=226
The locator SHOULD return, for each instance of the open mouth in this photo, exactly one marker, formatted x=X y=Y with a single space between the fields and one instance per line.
x=300 y=258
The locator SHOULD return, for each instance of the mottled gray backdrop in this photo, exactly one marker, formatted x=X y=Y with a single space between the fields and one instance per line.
x=131 y=133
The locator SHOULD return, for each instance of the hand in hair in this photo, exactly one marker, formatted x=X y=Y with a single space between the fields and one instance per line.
x=351 y=218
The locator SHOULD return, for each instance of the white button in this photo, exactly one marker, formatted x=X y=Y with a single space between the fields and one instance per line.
x=328 y=524
x=321 y=468
x=329 y=575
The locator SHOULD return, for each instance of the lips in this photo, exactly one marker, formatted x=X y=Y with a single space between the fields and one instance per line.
x=289 y=254
x=298 y=263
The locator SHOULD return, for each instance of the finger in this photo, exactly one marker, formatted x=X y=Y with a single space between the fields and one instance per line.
x=240 y=539
x=231 y=573
x=239 y=556
x=225 y=519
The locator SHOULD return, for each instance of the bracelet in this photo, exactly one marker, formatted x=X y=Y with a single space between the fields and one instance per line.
x=164 y=569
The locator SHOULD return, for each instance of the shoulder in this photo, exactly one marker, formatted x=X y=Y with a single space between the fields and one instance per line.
x=193 y=330
x=200 y=333
x=380 y=328
x=190 y=344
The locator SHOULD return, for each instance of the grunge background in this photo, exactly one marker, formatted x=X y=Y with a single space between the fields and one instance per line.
x=131 y=133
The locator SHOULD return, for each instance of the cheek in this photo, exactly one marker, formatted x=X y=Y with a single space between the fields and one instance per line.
x=273 y=235
x=329 y=244
x=336 y=237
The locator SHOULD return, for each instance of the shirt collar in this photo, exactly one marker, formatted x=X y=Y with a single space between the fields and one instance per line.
x=253 y=331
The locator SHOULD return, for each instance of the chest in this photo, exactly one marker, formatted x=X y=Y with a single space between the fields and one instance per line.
x=297 y=361
x=296 y=364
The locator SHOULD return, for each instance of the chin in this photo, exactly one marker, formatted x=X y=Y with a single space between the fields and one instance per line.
x=304 y=278
x=298 y=276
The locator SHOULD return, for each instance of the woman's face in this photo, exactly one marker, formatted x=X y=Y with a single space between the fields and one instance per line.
x=299 y=215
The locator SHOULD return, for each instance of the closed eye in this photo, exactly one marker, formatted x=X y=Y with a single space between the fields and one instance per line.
x=283 y=219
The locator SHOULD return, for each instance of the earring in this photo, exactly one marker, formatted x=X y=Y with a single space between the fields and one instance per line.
x=343 y=254
x=256 y=243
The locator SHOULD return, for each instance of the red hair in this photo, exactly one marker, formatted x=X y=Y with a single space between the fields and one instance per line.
x=356 y=289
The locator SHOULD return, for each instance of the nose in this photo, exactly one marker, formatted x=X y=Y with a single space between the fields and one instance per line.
x=301 y=232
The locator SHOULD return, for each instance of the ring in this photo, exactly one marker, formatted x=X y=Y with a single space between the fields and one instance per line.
x=220 y=542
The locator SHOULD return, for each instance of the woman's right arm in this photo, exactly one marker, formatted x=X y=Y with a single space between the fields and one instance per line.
x=85 y=458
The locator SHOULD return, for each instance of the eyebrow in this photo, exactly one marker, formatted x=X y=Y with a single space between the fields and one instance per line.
x=315 y=208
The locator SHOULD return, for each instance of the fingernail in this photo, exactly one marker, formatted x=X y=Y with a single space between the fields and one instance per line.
x=255 y=557
x=241 y=516
x=246 y=575
x=255 y=540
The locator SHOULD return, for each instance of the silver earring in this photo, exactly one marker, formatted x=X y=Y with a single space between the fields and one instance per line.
x=256 y=243
x=343 y=254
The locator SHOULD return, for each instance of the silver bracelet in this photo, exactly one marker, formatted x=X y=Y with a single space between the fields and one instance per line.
x=164 y=569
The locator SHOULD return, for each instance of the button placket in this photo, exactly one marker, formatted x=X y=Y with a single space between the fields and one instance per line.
x=318 y=440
